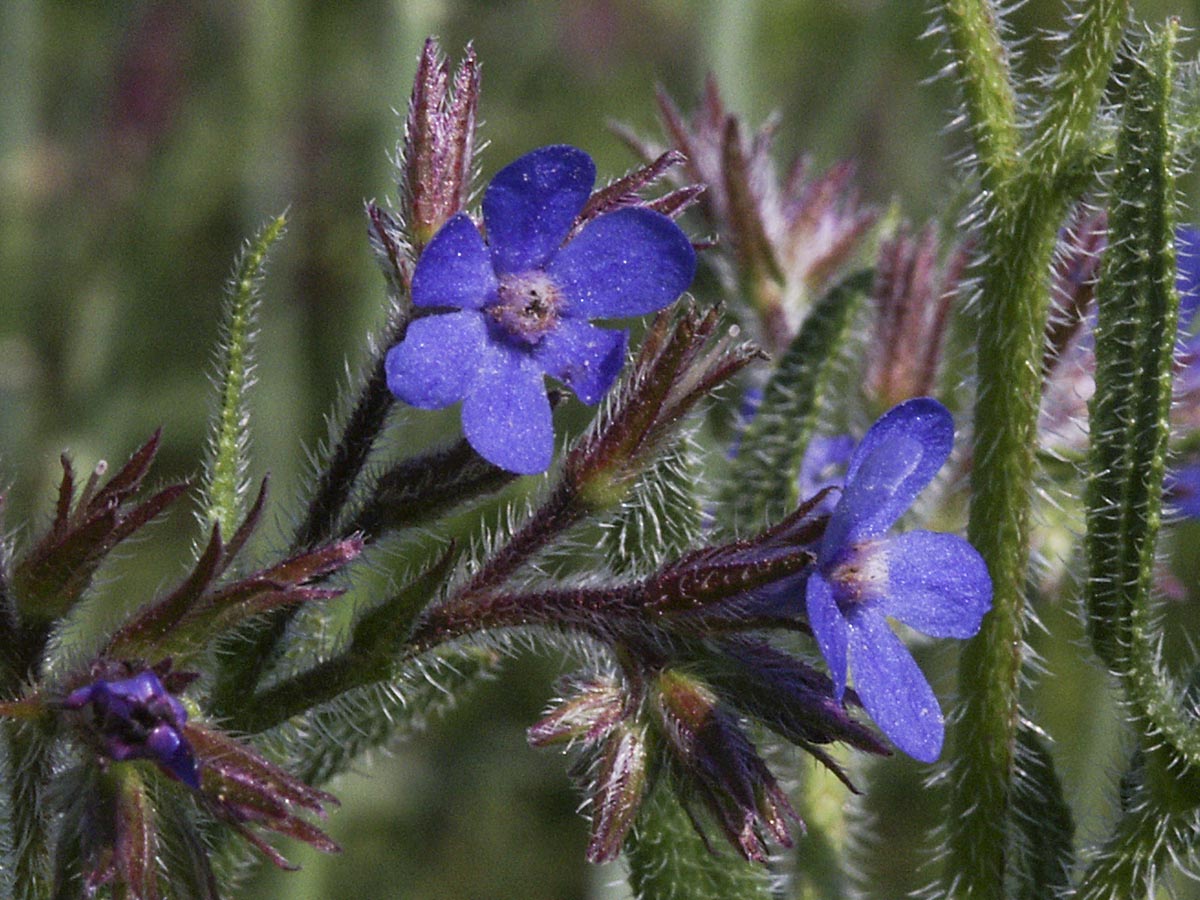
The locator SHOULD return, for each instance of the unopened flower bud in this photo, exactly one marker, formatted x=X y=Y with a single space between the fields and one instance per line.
x=437 y=156
x=136 y=718
x=718 y=767
x=912 y=298
x=618 y=789
x=592 y=710
x=788 y=237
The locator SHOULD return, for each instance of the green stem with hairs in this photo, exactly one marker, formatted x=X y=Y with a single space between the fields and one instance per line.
x=1024 y=200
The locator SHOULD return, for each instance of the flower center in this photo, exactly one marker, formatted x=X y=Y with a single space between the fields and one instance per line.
x=527 y=306
x=861 y=575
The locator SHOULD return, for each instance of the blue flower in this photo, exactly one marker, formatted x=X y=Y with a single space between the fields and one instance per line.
x=1182 y=491
x=137 y=718
x=823 y=466
x=936 y=583
x=515 y=307
x=1187 y=281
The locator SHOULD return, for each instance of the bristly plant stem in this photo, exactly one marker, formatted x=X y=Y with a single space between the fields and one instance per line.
x=1023 y=202
x=364 y=425
x=983 y=75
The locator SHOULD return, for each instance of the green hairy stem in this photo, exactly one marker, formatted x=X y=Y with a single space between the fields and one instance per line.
x=1023 y=204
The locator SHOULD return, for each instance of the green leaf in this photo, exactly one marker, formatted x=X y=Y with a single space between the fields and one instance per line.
x=187 y=851
x=668 y=860
x=28 y=753
x=226 y=486
x=1136 y=331
x=1148 y=840
x=333 y=736
x=659 y=518
x=1043 y=824
x=762 y=484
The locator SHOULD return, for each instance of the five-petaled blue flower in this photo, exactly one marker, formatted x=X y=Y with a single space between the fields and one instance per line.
x=936 y=583
x=516 y=306
x=137 y=718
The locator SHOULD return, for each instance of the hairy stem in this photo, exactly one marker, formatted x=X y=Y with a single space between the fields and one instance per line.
x=982 y=67
x=1021 y=214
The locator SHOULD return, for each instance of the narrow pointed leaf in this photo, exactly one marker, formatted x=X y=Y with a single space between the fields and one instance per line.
x=1136 y=334
x=659 y=519
x=668 y=860
x=225 y=484
x=762 y=485
x=1043 y=821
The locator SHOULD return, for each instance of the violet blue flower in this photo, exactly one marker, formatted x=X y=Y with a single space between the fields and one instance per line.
x=1182 y=491
x=1187 y=281
x=137 y=718
x=515 y=308
x=823 y=466
x=936 y=583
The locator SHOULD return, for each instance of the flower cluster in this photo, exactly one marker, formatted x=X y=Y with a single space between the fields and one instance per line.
x=694 y=656
x=125 y=705
x=514 y=308
x=691 y=659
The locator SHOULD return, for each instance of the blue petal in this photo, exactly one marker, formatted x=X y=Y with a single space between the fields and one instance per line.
x=455 y=269
x=437 y=360
x=531 y=204
x=937 y=583
x=506 y=416
x=892 y=689
x=625 y=263
x=170 y=749
x=1187 y=260
x=899 y=455
x=1182 y=490
x=821 y=467
x=582 y=356
x=829 y=628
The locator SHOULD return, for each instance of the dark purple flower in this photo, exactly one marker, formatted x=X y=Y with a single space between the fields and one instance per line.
x=936 y=583
x=137 y=718
x=515 y=308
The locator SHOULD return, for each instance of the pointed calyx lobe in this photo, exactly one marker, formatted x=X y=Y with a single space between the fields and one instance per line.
x=513 y=307
x=58 y=569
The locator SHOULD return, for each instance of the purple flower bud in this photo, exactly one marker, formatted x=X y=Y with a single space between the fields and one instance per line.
x=136 y=718
x=439 y=142
x=912 y=297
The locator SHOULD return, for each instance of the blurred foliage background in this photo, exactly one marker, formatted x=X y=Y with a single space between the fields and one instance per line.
x=141 y=142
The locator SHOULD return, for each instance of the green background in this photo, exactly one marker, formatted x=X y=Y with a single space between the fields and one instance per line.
x=140 y=143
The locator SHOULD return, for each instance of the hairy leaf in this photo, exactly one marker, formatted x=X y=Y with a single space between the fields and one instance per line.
x=668 y=860
x=226 y=486
x=762 y=486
